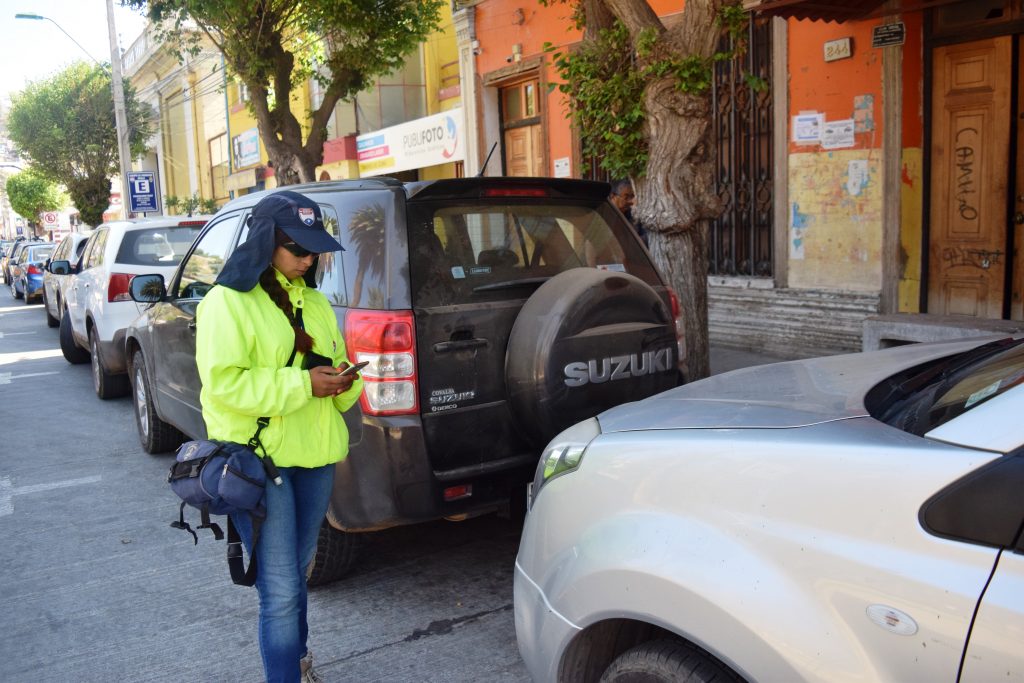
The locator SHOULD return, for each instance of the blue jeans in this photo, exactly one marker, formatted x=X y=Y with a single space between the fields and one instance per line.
x=286 y=545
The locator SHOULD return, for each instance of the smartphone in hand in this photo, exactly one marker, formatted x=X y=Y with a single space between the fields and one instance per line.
x=354 y=369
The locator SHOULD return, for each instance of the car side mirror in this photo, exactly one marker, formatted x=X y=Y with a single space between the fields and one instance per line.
x=59 y=267
x=148 y=289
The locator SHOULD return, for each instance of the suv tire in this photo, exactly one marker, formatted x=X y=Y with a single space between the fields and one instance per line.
x=73 y=353
x=106 y=384
x=336 y=555
x=587 y=319
x=667 y=661
x=156 y=435
x=50 y=320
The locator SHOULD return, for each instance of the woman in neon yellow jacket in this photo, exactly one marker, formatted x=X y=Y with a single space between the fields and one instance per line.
x=256 y=335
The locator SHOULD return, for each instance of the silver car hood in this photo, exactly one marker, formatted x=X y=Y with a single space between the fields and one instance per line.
x=779 y=395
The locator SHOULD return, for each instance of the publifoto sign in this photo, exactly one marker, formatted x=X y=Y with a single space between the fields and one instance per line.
x=432 y=140
x=142 y=192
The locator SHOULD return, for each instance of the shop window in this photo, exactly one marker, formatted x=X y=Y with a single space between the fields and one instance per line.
x=397 y=98
x=219 y=166
x=952 y=19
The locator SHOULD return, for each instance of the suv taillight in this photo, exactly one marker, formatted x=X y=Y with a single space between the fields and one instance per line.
x=388 y=340
x=117 y=290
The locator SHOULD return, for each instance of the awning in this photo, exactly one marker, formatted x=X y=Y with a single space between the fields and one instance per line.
x=839 y=10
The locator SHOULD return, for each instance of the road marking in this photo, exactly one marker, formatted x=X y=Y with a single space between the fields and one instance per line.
x=6 y=377
x=15 y=356
x=8 y=490
x=14 y=334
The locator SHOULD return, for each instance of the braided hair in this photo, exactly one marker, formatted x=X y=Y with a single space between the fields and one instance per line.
x=277 y=294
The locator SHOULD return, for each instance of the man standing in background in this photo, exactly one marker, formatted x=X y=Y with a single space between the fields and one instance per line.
x=624 y=198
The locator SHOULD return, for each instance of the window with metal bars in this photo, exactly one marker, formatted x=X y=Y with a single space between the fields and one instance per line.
x=740 y=240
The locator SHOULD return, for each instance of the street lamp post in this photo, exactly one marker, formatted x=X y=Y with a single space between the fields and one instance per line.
x=117 y=88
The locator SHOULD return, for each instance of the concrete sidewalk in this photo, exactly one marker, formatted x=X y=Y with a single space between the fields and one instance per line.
x=724 y=359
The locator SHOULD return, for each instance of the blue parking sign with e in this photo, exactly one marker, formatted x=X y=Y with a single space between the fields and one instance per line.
x=142 y=192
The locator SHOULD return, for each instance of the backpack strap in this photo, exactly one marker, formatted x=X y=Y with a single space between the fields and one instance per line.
x=183 y=525
x=207 y=524
x=262 y=422
x=240 y=575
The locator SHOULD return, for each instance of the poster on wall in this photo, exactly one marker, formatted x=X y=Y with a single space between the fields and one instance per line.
x=429 y=141
x=807 y=127
x=246 y=148
x=837 y=134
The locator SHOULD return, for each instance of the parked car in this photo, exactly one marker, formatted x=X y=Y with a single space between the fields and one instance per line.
x=486 y=331
x=850 y=518
x=28 y=284
x=5 y=250
x=5 y=257
x=97 y=306
x=17 y=264
x=70 y=249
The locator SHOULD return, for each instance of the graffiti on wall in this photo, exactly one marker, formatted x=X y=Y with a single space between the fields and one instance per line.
x=965 y=175
x=972 y=258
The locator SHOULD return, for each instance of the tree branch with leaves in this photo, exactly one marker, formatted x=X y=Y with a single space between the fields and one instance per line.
x=273 y=46
x=65 y=126
x=31 y=193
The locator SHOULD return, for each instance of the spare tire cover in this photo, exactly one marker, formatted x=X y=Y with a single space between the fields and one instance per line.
x=587 y=340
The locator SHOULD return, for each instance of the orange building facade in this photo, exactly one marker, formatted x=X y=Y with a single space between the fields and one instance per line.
x=882 y=172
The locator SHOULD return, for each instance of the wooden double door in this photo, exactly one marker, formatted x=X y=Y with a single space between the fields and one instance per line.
x=976 y=237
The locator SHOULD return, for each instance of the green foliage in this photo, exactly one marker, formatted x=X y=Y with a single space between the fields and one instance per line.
x=65 y=126
x=31 y=193
x=274 y=45
x=189 y=205
x=605 y=80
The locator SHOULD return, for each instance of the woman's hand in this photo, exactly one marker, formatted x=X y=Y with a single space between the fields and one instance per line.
x=329 y=382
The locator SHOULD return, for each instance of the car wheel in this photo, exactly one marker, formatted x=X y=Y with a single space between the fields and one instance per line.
x=73 y=353
x=336 y=555
x=107 y=385
x=50 y=320
x=14 y=290
x=667 y=661
x=585 y=341
x=156 y=435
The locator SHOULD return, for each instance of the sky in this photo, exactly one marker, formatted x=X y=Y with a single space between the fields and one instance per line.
x=33 y=50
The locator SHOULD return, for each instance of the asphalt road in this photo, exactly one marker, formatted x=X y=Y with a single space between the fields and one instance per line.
x=96 y=586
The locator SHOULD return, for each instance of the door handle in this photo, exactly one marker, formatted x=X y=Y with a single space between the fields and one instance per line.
x=459 y=345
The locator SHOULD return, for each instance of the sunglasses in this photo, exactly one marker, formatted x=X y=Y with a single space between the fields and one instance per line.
x=296 y=250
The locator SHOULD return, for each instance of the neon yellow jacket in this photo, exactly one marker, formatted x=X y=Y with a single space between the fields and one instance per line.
x=243 y=341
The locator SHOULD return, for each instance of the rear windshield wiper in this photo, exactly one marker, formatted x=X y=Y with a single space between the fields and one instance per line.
x=511 y=284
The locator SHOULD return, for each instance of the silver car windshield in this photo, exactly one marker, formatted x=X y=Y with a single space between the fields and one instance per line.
x=920 y=400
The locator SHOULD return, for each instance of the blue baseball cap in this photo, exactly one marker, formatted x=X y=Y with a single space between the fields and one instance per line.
x=299 y=217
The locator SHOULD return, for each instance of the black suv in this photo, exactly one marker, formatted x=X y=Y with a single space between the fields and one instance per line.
x=495 y=312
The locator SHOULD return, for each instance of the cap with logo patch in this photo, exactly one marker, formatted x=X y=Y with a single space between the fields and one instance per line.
x=299 y=217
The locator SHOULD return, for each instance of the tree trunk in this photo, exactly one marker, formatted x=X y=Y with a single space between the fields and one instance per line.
x=675 y=202
x=682 y=259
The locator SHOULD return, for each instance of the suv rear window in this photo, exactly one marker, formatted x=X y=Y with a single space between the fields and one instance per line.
x=156 y=246
x=489 y=250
